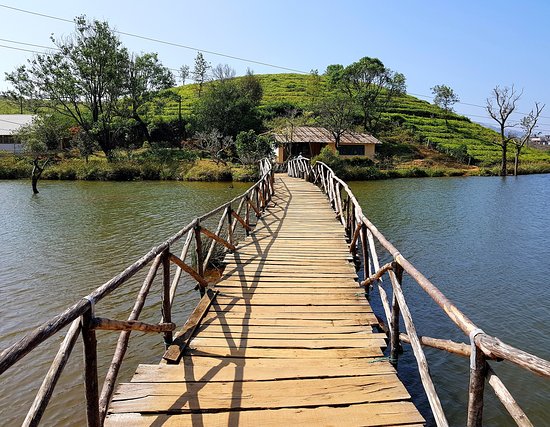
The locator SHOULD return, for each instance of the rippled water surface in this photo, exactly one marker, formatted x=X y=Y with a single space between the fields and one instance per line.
x=483 y=241
x=61 y=244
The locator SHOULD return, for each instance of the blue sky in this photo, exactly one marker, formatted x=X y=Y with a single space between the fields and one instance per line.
x=471 y=46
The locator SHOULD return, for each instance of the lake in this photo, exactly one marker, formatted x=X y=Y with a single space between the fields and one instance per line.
x=482 y=241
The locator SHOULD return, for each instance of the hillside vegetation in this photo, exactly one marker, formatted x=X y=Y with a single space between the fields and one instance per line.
x=416 y=133
x=415 y=121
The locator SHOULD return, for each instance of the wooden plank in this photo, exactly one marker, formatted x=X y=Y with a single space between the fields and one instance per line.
x=363 y=320
x=189 y=396
x=209 y=369
x=277 y=353
x=288 y=330
x=403 y=414
x=239 y=342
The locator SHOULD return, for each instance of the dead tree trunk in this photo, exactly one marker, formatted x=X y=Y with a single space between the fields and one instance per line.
x=37 y=173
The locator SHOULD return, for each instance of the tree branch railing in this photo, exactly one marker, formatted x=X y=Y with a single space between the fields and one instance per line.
x=483 y=347
x=84 y=321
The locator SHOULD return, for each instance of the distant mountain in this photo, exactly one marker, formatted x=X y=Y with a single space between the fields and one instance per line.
x=511 y=132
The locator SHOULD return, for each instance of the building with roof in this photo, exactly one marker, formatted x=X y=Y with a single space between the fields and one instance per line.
x=9 y=125
x=309 y=140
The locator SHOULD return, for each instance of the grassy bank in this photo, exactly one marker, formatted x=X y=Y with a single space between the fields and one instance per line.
x=99 y=169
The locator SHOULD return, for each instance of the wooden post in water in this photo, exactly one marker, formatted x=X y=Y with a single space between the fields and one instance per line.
x=394 y=323
x=478 y=371
x=166 y=303
x=90 y=368
x=198 y=245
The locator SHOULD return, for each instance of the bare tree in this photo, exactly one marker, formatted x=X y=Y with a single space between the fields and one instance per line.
x=335 y=113
x=500 y=106
x=215 y=144
x=184 y=73
x=223 y=72
x=528 y=125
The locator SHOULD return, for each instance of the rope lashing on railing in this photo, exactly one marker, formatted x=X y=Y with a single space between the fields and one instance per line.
x=473 y=346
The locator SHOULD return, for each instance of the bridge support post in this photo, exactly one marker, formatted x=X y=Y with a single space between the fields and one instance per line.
x=478 y=372
x=90 y=369
x=166 y=305
x=200 y=257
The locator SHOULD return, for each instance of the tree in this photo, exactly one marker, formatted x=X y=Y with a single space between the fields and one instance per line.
x=83 y=79
x=228 y=105
x=146 y=77
x=19 y=80
x=41 y=139
x=251 y=88
x=500 y=106
x=369 y=84
x=445 y=98
x=200 y=72
x=184 y=73
x=528 y=125
x=335 y=113
x=251 y=148
x=215 y=144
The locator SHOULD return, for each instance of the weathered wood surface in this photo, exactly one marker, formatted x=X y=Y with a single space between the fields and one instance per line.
x=287 y=340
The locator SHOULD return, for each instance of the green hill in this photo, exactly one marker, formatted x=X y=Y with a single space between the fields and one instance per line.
x=425 y=121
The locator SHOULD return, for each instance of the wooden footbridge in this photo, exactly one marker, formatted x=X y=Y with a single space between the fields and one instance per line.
x=286 y=335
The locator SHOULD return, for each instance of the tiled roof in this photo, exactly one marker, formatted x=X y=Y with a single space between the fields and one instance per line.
x=318 y=134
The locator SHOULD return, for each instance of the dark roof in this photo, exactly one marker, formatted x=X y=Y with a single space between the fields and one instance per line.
x=306 y=134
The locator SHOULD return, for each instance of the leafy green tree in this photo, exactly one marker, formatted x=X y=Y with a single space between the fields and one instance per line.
x=21 y=87
x=251 y=148
x=83 y=79
x=251 y=88
x=500 y=106
x=369 y=84
x=200 y=71
x=146 y=77
x=445 y=97
x=228 y=105
x=528 y=125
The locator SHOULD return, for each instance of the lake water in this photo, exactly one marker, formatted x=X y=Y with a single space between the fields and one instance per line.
x=483 y=241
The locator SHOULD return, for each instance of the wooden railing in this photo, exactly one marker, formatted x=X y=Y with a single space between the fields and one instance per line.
x=481 y=348
x=83 y=319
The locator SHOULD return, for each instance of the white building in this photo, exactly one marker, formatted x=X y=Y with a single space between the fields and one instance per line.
x=9 y=124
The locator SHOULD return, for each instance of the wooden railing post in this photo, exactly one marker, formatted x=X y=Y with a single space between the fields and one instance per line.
x=198 y=249
x=478 y=372
x=247 y=215
x=229 y=224
x=394 y=323
x=90 y=368
x=166 y=300
x=365 y=251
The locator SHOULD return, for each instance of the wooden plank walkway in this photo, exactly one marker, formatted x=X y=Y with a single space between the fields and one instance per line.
x=287 y=340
